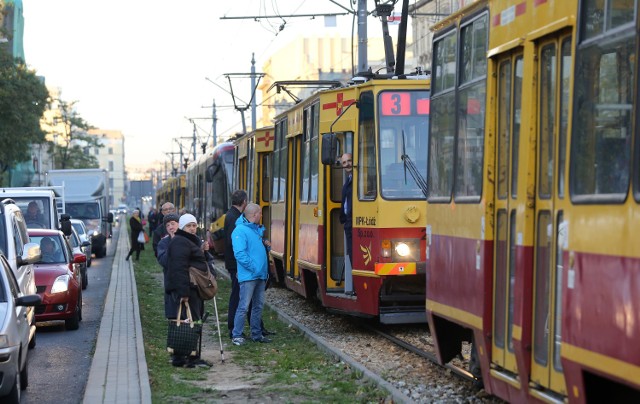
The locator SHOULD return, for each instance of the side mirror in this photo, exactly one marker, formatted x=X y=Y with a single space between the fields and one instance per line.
x=65 y=224
x=86 y=243
x=110 y=217
x=29 y=300
x=30 y=254
x=329 y=149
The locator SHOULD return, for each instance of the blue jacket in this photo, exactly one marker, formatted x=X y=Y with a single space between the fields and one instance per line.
x=249 y=250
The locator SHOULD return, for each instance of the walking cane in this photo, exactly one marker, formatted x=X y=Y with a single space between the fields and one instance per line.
x=215 y=306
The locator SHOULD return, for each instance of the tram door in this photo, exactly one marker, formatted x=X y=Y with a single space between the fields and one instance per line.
x=554 y=73
x=293 y=206
x=510 y=71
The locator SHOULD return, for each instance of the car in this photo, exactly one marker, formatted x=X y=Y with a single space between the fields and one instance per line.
x=85 y=237
x=14 y=335
x=116 y=216
x=122 y=209
x=78 y=247
x=58 y=279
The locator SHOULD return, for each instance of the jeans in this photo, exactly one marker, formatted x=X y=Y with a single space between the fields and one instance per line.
x=250 y=292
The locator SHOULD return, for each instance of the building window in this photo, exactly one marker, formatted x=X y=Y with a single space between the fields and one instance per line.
x=111 y=166
x=110 y=150
x=97 y=151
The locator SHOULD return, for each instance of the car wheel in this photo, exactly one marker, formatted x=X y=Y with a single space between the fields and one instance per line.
x=89 y=262
x=85 y=280
x=73 y=323
x=24 y=376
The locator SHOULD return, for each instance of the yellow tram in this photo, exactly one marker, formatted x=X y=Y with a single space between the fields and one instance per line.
x=533 y=212
x=378 y=121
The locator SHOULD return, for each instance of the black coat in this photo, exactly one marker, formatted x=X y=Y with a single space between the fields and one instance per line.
x=158 y=234
x=347 y=197
x=136 y=228
x=229 y=225
x=184 y=252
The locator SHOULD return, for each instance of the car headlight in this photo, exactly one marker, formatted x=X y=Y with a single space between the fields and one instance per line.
x=402 y=249
x=4 y=341
x=61 y=284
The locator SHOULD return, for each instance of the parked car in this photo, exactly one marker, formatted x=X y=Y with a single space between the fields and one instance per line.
x=78 y=247
x=58 y=279
x=20 y=253
x=14 y=332
x=81 y=229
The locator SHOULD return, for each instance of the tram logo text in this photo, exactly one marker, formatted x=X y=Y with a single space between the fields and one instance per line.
x=365 y=221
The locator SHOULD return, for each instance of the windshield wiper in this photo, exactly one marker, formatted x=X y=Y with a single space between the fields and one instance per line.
x=413 y=170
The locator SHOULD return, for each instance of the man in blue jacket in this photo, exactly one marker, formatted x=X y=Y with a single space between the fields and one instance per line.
x=253 y=267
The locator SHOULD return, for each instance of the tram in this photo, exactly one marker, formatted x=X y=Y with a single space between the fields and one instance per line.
x=378 y=121
x=533 y=212
x=252 y=168
x=208 y=192
x=172 y=190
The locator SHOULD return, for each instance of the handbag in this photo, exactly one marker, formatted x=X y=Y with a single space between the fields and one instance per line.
x=141 y=238
x=146 y=237
x=204 y=281
x=183 y=335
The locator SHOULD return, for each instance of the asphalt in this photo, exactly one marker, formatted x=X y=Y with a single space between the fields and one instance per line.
x=119 y=371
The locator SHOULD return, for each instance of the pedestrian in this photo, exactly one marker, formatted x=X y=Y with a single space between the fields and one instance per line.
x=160 y=231
x=136 y=227
x=238 y=203
x=346 y=217
x=185 y=251
x=253 y=268
x=152 y=216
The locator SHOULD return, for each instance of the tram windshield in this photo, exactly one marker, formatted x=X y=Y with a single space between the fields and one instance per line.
x=404 y=128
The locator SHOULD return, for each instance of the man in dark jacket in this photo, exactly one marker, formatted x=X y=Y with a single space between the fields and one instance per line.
x=160 y=231
x=238 y=203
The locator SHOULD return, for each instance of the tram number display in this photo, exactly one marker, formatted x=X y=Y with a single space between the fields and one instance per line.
x=395 y=103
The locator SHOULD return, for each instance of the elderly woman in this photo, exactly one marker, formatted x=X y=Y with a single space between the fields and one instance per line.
x=185 y=250
x=136 y=227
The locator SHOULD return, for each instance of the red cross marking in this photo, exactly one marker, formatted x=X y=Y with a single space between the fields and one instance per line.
x=339 y=104
x=267 y=138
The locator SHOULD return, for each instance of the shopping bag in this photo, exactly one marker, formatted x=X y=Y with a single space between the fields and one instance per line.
x=141 y=238
x=146 y=237
x=183 y=335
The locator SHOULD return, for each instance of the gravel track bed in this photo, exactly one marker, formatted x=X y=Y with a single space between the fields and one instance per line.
x=420 y=380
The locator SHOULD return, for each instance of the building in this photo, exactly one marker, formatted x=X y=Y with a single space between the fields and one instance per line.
x=111 y=158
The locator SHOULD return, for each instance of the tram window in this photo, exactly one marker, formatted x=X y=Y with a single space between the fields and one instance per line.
x=474 y=50
x=445 y=62
x=517 y=112
x=544 y=251
x=470 y=142
x=548 y=91
x=504 y=126
x=599 y=16
x=602 y=128
x=565 y=89
x=366 y=164
x=441 y=141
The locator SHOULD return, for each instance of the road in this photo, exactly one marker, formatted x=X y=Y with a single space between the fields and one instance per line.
x=59 y=364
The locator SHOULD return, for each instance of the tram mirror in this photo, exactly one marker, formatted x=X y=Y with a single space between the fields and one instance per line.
x=211 y=171
x=329 y=149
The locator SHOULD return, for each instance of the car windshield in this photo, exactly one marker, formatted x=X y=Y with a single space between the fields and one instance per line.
x=78 y=228
x=83 y=210
x=51 y=248
x=35 y=211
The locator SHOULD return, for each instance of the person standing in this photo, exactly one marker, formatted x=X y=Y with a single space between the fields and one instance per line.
x=160 y=231
x=238 y=203
x=136 y=227
x=253 y=266
x=185 y=251
x=346 y=218
x=153 y=220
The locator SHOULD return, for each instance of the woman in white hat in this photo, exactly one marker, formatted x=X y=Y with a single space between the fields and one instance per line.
x=185 y=250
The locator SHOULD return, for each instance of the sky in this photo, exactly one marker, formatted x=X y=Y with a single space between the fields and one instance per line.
x=139 y=66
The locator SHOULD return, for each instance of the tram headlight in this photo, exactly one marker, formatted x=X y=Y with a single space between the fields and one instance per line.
x=402 y=249
x=385 y=248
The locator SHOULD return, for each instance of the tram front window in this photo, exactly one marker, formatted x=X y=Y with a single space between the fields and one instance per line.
x=404 y=129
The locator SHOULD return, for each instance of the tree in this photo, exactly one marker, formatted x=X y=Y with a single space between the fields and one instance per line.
x=73 y=149
x=23 y=98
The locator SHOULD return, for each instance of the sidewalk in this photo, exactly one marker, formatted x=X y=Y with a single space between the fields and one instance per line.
x=119 y=368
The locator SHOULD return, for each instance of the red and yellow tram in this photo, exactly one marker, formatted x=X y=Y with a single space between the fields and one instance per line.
x=378 y=122
x=533 y=210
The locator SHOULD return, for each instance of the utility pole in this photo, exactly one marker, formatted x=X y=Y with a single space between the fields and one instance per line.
x=253 y=86
x=194 y=141
x=214 y=128
x=363 y=63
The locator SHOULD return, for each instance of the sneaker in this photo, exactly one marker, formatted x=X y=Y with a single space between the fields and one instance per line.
x=238 y=341
x=266 y=333
x=178 y=362
x=199 y=362
x=231 y=335
x=263 y=340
